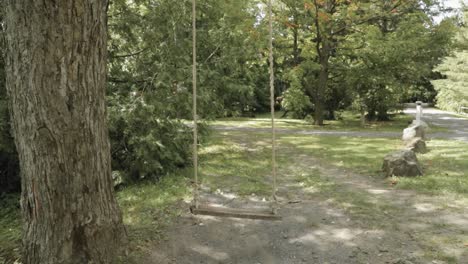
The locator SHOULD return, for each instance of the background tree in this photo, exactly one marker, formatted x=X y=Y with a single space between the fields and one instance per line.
x=56 y=78
x=452 y=89
x=384 y=67
x=231 y=49
x=373 y=54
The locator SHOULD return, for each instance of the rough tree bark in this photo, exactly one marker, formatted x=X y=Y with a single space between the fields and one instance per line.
x=56 y=79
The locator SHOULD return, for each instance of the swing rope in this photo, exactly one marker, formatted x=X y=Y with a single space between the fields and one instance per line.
x=272 y=108
x=195 y=118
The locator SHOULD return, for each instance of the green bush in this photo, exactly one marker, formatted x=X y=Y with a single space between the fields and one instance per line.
x=145 y=145
x=295 y=101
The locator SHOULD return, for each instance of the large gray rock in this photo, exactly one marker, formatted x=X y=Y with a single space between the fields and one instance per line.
x=414 y=131
x=402 y=163
x=417 y=145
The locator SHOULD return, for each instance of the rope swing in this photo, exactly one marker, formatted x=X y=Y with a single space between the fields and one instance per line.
x=195 y=118
x=272 y=108
x=215 y=211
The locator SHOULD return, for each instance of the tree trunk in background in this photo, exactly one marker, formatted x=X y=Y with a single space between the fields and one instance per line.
x=382 y=113
x=323 y=42
x=296 y=51
x=56 y=79
x=371 y=114
x=363 y=116
x=319 y=99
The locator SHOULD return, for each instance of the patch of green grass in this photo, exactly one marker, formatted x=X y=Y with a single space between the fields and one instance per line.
x=436 y=254
x=445 y=167
x=360 y=205
x=10 y=229
x=436 y=249
x=226 y=158
x=360 y=154
x=312 y=182
x=235 y=167
x=148 y=208
x=348 y=122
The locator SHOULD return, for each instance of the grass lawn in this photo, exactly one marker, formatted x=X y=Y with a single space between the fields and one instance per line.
x=230 y=160
x=239 y=161
x=236 y=166
x=147 y=209
x=445 y=166
x=348 y=122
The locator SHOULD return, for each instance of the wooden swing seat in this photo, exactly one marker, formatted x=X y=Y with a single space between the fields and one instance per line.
x=235 y=213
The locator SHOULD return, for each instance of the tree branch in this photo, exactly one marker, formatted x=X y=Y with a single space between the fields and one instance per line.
x=129 y=55
x=211 y=55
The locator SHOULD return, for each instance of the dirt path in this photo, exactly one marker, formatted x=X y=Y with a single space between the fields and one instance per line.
x=347 y=218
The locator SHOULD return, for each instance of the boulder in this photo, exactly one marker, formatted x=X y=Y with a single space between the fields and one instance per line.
x=417 y=145
x=402 y=163
x=414 y=131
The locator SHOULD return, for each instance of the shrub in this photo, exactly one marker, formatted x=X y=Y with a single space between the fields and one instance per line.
x=295 y=101
x=145 y=145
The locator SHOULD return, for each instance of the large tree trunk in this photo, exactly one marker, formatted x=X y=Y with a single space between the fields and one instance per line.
x=56 y=79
